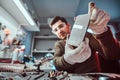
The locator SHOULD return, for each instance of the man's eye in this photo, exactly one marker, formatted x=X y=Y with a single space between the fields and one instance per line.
x=55 y=30
x=61 y=26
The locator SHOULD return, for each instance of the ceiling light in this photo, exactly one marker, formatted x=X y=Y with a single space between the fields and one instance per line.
x=19 y=4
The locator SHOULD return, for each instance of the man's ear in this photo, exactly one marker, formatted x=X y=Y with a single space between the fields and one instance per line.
x=68 y=25
x=69 y=28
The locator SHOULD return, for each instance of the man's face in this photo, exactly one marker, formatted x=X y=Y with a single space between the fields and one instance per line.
x=7 y=32
x=61 y=29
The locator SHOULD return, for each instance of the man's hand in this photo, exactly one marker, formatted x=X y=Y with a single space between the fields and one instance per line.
x=79 y=54
x=98 y=19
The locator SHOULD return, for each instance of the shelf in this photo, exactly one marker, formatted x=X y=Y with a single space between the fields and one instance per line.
x=44 y=25
x=44 y=51
x=43 y=41
x=46 y=37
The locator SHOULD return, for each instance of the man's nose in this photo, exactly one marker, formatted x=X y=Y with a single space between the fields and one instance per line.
x=59 y=31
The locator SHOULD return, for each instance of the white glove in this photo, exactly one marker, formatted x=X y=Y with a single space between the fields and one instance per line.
x=98 y=19
x=79 y=54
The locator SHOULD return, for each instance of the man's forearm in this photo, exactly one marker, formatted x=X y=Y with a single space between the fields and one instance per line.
x=109 y=46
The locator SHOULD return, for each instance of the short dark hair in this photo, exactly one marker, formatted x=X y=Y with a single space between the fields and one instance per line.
x=16 y=41
x=92 y=4
x=57 y=18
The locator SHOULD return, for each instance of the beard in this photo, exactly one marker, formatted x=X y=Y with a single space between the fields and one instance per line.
x=62 y=35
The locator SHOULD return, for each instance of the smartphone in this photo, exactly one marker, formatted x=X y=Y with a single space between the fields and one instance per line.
x=79 y=29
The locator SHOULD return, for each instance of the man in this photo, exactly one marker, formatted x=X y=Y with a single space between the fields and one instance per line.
x=83 y=59
x=6 y=42
x=17 y=50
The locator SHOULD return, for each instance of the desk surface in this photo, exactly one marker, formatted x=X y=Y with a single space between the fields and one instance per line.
x=18 y=73
x=44 y=76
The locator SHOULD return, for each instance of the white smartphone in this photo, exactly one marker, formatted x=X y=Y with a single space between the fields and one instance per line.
x=79 y=30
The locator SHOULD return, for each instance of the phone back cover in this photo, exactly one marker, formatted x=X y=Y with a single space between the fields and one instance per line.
x=79 y=29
